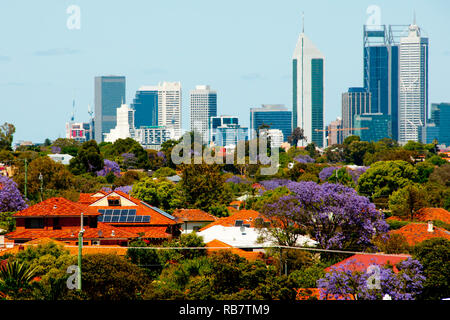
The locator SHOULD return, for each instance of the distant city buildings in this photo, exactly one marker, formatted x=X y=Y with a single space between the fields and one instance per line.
x=125 y=125
x=145 y=105
x=413 y=82
x=308 y=90
x=378 y=124
x=355 y=101
x=225 y=131
x=80 y=131
x=275 y=135
x=109 y=95
x=152 y=137
x=334 y=133
x=440 y=118
x=275 y=116
x=169 y=107
x=203 y=105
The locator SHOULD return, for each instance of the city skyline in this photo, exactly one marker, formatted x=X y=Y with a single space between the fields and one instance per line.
x=242 y=80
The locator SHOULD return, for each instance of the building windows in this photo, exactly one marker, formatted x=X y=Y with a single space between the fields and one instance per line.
x=34 y=223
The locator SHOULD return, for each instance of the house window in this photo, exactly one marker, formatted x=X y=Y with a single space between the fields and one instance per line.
x=56 y=224
x=34 y=223
x=114 y=202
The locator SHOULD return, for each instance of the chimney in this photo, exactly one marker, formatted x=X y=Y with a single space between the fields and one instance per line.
x=430 y=226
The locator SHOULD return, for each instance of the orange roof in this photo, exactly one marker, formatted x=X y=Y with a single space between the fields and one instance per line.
x=315 y=293
x=249 y=255
x=193 y=215
x=247 y=216
x=431 y=214
x=148 y=231
x=55 y=207
x=236 y=203
x=418 y=232
x=88 y=198
x=103 y=231
x=360 y=262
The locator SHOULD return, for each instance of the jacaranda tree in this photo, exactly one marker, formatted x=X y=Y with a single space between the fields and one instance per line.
x=10 y=197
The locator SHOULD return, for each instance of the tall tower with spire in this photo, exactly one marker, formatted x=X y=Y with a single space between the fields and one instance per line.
x=308 y=69
x=413 y=84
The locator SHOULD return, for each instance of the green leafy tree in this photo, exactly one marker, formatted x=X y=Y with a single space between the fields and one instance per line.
x=7 y=131
x=204 y=186
x=162 y=194
x=385 y=177
x=434 y=255
x=147 y=259
x=341 y=176
x=88 y=159
x=111 y=277
x=405 y=202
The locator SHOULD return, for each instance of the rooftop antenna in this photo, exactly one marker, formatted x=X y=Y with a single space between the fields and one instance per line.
x=414 y=17
x=303 y=22
x=72 y=118
x=90 y=112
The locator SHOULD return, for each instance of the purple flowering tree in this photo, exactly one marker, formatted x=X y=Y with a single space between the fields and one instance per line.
x=334 y=215
x=124 y=189
x=237 y=180
x=327 y=172
x=356 y=173
x=56 y=150
x=129 y=160
x=304 y=158
x=343 y=283
x=274 y=183
x=109 y=166
x=10 y=197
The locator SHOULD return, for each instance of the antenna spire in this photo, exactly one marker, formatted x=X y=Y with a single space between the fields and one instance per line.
x=303 y=22
x=414 y=17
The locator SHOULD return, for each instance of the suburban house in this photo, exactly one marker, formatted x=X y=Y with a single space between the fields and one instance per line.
x=60 y=219
x=417 y=232
x=193 y=219
x=125 y=213
x=427 y=214
x=361 y=262
x=238 y=230
x=217 y=245
x=109 y=218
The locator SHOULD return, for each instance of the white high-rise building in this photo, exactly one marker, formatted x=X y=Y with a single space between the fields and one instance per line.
x=169 y=106
x=203 y=103
x=308 y=91
x=276 y=137
x=125 y=125
x=413 y=85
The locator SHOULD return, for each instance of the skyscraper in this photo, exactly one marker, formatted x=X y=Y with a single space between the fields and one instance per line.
x=440 y=117
x=109 y=95
x=381 y=49
x=145 y=105
x=203 y=102
x=378 y=124
x=413 y=81
x=276 y=116
x=354 y=102
x=169 y=106
x=308 y=90
x=125 y=125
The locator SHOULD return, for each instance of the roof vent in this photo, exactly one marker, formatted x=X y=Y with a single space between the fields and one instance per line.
x=54 y=206
x=113 y=233
x=430 y=226
x=100 y=233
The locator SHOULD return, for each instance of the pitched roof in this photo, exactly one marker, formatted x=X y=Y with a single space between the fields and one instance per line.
x=193 y=215
x=360 y=262
x=247 y=217
x=431 y=214
x=103 y=231
x=249 y=255
x=418 y=232
x=316 y=293
x=55 y=207
x=148 y=231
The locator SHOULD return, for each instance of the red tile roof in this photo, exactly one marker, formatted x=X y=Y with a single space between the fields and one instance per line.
x=431 y=214
x=55 y=207
x=360 y=262
x=106 y=231
x=315 y=293
x=193 y=215
x=247 y=216
x=418 y=232
x=148 y=232
x=249 y=255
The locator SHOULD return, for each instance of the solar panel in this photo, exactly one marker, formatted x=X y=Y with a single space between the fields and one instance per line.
x=124 y=212
x=115 y=218
x=131 y=218
x=100 y=218
x=116 y=212
x=123 y=218
x=107 y=218
x=102 y=211
x=138 y=219
x=132 y=212
x=146 y=219
x=109 y=211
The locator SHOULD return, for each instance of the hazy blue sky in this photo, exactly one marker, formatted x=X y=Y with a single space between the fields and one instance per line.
x=243 y=49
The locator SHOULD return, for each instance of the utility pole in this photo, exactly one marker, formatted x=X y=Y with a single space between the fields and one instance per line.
x=80 y=249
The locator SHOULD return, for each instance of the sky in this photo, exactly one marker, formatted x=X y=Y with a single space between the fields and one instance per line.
x=241 y=48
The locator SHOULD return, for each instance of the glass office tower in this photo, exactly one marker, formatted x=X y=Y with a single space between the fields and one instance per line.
x=355 y=101
x=276 y=116
x=378 y=124
x=109 y=95
x=145 y=105
x=203 y=103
